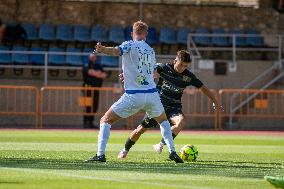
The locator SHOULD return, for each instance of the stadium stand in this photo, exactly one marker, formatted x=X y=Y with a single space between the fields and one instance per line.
x=240 y=41
x=167 y=38
x=56 y=59
x=109 y=61
x=5 y=58
x=127 y=33
x=254 y=41
x=73 y=60
x=19 y=58
x=152 y=37
x=182 y=35
x=64 y=33
x=47 y=32
x=202 y=40
x=31 y=30
x=81 y=34
x=219 y=40
x=116 y=35
x=36 y=59
x=85 y=58
x=99 y=34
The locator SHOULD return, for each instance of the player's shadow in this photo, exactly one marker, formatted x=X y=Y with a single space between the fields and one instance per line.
x=215 y=168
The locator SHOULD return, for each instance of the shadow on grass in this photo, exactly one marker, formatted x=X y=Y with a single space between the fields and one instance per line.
x=213 y=168
x=8 y=182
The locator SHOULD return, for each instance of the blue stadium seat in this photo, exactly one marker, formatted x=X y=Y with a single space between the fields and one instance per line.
x=37 y=59
x=73 y=60
x=64 y=33
x=99 y=34
x=47 y=32
x=81 y=33
x=240 y=41
x=56 y=59
x=116 y=34
x=85 y=58
x=202 y=40
x=182 y=35
x=127 y=33
x=109 y=61
x=219 y=40
x=5 y=58
x=31 y=30
x=20 y=58
x=168 y=36
x=152 y=37
x=256 y=41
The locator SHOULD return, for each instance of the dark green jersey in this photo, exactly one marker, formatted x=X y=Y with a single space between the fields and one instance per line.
x=171 y=84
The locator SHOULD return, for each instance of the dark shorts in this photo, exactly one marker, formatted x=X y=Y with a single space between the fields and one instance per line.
x=170 y=112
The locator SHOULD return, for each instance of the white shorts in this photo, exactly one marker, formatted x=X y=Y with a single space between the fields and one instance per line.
x=129 y=104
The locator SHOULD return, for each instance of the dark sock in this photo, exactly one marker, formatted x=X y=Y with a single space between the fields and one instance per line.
x=163 y=141
x=129 y=143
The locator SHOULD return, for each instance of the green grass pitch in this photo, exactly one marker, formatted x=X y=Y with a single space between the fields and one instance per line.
x=32 y=159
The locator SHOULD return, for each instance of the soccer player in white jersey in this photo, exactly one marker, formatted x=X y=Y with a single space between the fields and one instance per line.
x=138 y=61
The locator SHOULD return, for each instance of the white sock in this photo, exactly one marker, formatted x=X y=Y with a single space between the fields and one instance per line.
x=167 y=135
x=103 y=138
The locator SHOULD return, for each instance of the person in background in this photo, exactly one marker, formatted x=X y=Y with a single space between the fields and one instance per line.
x=93 y=75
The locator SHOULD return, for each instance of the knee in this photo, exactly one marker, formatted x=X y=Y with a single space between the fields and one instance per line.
x=105 y=119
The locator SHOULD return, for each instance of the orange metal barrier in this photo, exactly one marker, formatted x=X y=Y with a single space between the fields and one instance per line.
x=195 y=105
x=19 y=100
x=64 y=101
x=251 y=103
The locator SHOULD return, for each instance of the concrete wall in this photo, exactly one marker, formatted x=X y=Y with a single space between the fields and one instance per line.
x=263 y=19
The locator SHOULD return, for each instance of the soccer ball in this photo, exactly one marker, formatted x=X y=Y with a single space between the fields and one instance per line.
x=189 y=152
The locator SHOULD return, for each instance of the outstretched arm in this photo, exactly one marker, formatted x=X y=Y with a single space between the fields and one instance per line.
x=209 y=94
x=113 y=51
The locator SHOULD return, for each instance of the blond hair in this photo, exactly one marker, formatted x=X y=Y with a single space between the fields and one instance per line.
x=140 y=27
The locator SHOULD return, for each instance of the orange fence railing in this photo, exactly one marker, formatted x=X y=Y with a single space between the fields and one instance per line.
x=72 y=101
x=251 y=103
x=19 y=101
x=64 y=101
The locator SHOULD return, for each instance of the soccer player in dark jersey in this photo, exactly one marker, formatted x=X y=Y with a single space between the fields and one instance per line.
x=174 y=78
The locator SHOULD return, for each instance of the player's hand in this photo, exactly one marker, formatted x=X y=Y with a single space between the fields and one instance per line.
x=99 y=47
x=218 y=107
x=121 y=77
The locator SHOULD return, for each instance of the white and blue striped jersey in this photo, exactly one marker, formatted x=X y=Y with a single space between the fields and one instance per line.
x=138 y=62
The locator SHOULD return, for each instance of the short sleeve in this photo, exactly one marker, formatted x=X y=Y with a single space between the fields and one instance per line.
x=196 y=82
x=125 y=47
x=159 y=67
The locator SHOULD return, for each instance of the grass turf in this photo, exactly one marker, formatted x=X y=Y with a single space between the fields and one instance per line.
x=54 y=159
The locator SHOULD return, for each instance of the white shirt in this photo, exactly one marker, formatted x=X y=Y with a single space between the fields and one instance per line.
x=138 y=62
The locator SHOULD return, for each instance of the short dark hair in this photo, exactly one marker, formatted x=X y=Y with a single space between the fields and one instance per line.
x=184 y=56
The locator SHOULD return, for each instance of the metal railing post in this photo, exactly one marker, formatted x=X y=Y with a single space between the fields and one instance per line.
x=45 y=68
x=279 y=52
x=234 y=49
